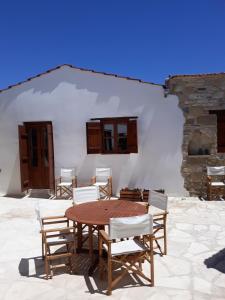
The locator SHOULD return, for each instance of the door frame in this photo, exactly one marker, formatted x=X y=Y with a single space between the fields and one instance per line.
x=52 y=164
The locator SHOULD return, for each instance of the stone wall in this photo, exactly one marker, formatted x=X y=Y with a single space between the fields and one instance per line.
x=198 y=95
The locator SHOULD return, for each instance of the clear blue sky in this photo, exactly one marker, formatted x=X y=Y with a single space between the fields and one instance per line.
x=147 y=39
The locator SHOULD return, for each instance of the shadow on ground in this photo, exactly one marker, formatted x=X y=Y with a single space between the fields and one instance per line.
x=217 y=261
x=81 y=264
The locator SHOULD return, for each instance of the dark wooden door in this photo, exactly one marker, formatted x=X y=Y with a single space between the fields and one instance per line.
x=24 y=158
x=40 y=155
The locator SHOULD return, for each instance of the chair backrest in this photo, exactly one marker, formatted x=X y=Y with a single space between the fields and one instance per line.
x=130 y=226
x=102 y=174
x=216 y=171
x=67 y=174
x=85 y=194
x=158 y=200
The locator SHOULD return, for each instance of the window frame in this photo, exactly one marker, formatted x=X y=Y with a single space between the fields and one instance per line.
x=115 y=122
x=95 y=135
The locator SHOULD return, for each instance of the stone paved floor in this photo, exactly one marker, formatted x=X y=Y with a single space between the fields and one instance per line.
x=193 y=269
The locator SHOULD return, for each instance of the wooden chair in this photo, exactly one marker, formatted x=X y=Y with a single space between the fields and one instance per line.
x=103 y=180
x=83 y=195
x=215 y=181
x=128 y=253
x=158 y=203
x=55 y=237
x=65 y=183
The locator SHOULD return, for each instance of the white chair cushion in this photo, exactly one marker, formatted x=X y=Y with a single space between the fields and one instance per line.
x=58 y=240
x=64 y=184
x=126 y=247
x=218 y=183
x=100 y=183
x=215 y=171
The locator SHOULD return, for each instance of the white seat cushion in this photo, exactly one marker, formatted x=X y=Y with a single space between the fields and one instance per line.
x=65 y=184
x=100 y=183
x=219 y=183
x=126 y=247
x=60 y=240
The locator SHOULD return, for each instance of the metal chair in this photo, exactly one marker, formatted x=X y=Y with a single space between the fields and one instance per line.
x=65 y=183
x=158 y=207
x=215 y=181
x=103 y=180
x=135 y=247
x=53 y=237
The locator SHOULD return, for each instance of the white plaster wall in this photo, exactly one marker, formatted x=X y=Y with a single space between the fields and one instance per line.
x=69 y=98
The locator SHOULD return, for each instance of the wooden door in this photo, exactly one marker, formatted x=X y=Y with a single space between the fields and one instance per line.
x=40 y=155
x=24 y=158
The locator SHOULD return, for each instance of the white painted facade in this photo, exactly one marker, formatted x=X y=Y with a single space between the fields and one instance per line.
x=69 y=98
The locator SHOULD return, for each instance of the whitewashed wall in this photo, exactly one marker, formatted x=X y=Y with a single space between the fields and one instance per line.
x=69 y=98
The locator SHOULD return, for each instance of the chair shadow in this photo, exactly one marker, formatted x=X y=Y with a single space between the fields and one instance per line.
x=81 y=264
x=24 y=267
x=128 y=281
x=217 y=261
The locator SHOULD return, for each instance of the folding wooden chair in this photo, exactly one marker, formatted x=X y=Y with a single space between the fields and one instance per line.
x=215 y=181
x=65 y=183
x=54 y=237
x=158 y=203
x=83 y=195
x=128 y=253
x=103 y=180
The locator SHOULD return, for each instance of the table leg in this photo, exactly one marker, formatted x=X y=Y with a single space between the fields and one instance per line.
x=90 y=238
x=79 y=236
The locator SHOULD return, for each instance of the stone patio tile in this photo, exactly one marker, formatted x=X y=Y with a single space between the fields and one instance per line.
x=193 y=268
x=202 y=285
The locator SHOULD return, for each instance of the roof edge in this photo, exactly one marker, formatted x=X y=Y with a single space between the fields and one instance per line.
x=80 y=69
x=195 y=75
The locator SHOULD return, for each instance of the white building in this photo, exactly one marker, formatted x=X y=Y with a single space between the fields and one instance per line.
x=62 y=101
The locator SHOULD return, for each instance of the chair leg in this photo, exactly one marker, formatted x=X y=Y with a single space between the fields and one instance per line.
x=42 y=246
x=165 y=240
x=109 y=292
x=46 y=267
x=152 y=263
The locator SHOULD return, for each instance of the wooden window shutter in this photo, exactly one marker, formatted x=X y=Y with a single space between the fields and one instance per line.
x=94 y=137
x=24 y=158
x=132 y=139
x=221 y=132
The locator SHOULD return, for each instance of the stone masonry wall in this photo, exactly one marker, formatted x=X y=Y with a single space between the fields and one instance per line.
x=198 y=95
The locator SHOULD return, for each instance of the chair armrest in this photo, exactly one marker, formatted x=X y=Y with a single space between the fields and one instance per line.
x=105 y=235
x=62 y=229
x=54 y=217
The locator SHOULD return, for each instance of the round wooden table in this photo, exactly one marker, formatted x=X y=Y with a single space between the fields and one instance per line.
x=97 y=214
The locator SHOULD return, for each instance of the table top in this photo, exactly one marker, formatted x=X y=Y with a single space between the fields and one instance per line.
x=99 y=212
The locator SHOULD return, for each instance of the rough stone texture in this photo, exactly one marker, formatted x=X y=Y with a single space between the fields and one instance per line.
x=193 y=269
x=198 y=95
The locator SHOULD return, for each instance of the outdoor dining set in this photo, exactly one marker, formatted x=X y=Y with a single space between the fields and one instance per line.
x=128 y=230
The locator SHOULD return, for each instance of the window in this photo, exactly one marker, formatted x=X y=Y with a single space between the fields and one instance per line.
x=220 y=130
x=112 y=135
